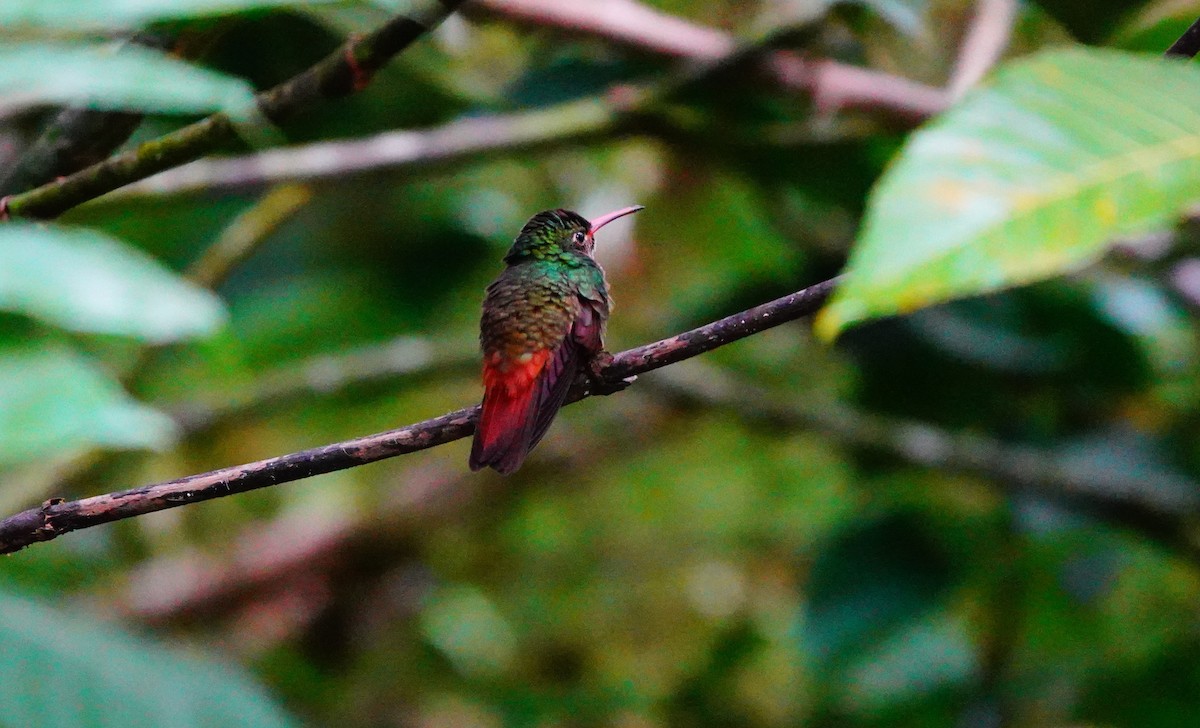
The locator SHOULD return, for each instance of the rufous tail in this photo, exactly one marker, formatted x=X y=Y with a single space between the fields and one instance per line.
x=504 y=434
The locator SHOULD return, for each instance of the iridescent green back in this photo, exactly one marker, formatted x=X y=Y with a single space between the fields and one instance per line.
x=533 y=303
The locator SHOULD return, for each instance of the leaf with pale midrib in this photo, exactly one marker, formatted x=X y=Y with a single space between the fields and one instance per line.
x=1033 y=176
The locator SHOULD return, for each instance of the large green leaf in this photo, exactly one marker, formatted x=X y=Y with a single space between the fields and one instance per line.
x=108 y=77
x=123 y=13
x=53 y=401
x=1030 y=177
x=62 y=669
x=86 y=281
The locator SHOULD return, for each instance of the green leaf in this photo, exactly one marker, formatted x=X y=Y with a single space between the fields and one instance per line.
x=86 y=281
x=1031 y=177
x=53 y=401
x=80 y=14
x=64 y=669
x=111 y=77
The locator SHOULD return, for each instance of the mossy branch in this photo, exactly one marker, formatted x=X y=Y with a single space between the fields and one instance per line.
x=346 y=70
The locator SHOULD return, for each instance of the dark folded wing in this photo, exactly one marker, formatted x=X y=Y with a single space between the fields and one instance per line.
x=585 y=338
x=554 y=383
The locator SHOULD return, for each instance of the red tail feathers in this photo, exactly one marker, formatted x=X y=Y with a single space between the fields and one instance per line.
x=507 y=425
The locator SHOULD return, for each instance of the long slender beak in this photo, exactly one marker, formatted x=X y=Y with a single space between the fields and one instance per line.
x=606 y=219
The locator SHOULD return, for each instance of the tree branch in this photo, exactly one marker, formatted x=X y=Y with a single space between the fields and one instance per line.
x=56 y=516
x=1188 y=44
x=346 y=70
x=457 y=140
x=323 y=375
x=246 y=233
x=626 y=22
x=1161 y=508
x=832 y=85
x=987 y=37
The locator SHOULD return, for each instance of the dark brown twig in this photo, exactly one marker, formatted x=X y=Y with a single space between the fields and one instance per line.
x=339 y=74
x=1188 y=44
x=56 y=516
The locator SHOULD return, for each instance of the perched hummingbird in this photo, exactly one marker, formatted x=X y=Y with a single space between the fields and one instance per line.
x=543 y=320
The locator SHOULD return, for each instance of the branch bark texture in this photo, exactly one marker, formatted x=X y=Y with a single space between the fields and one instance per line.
x=346 y=70
x=56 y=516
x=1188 y=44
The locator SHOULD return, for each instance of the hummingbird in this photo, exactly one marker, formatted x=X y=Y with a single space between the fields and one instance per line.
x=543 y=322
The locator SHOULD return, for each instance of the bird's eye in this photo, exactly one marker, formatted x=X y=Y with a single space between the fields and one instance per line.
x=579 y=237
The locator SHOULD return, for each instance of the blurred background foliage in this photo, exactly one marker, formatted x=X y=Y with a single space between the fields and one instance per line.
x=981 y=514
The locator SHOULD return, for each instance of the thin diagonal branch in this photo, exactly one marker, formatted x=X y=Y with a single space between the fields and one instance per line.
x=246 y=233
x=986 y=39
x=470 y=138
x=56 y=517
x=623 y=21
x=324 y=375
x=346 y=70
x=833 y=85
x=1188 y=44
x=1160 y=507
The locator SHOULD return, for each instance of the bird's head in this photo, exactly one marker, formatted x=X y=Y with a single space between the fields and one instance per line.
x=552 y=234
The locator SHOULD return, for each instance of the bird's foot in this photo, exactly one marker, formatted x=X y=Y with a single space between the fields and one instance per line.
x=598 y=383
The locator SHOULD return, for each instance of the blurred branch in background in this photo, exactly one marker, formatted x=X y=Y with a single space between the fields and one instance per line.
x=271 y=555
x=626 y=22
x=345 y=71
x=458 y=140
x=1164 y=510
x=403 y=357
x=832 y=85
x=56 y=517
x=835 y=86
x=986 y=39
x=241 y=238
x=233 y=246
